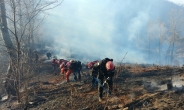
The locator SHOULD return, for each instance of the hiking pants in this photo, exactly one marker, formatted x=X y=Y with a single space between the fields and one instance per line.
x=69 y=71
x=94 y=82
x=101 y=88
x=77 y=75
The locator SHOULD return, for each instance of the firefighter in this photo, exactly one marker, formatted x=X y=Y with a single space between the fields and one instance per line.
x=54 y=65
x=69 y=70
x=106 y=71
x=93 y=66
x=63 y=66
x=48 y=55
x=77 y=70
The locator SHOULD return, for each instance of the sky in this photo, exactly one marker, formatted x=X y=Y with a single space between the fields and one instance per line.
x=93 y=29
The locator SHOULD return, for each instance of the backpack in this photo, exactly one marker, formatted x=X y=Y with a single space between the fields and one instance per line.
x=79 y=65
x=73 y=65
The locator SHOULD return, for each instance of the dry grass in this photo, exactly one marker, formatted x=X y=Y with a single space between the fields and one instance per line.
x=129 y=90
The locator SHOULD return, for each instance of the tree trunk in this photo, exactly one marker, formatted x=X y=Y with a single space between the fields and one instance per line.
x=9 y=86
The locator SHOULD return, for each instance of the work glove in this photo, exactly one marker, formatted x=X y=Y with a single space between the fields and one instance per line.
x=109 y=78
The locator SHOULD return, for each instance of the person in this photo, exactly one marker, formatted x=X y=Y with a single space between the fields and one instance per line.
x=77 y=70
x=106 y=71
x=63 y=66
x=69 y=70
x=58 y=61
x=73 y=67
x=49 y=55
x=54 y=64
x=93 y=66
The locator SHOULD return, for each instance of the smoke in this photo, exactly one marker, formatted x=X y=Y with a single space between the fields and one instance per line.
x=92 y=29
x=178 y=2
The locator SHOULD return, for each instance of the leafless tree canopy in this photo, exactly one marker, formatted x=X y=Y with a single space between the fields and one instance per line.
x=20 y=24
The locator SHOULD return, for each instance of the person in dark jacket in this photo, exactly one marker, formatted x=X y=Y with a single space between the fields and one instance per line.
x=54 y=65
x=106 y=71
x=76 y=68
x=94 y=66
x=79 y=69
x=49 y=55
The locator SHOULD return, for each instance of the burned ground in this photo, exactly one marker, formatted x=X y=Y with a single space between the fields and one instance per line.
x=135 y=88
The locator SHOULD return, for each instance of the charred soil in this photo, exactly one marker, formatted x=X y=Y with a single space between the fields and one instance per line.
x=134 y=88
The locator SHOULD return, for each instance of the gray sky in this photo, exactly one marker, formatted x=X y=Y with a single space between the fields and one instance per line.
x=103 y=28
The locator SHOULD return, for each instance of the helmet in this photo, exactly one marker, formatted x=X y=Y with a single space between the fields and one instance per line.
x=109 y=65
x=90 y=65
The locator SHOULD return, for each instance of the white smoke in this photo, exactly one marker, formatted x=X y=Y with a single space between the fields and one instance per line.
x=96 y=29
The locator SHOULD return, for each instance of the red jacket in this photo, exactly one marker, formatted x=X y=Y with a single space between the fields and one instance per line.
x=63 y=63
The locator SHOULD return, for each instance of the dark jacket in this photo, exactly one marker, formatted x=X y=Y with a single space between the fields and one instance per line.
x=48 y=54
x=95 y=69
x=76 y=66
x=102 y=71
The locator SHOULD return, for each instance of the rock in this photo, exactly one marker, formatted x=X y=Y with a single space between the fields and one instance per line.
x=109 y=107
x=87 y=108
x=120 y=105
x=125 y=108
x=115 y=107
x=4 y=98
x=31 y=103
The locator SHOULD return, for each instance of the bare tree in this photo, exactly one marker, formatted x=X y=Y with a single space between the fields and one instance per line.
x=175 y=21
x=156 y=31
x=161 y=37
x=19 y=28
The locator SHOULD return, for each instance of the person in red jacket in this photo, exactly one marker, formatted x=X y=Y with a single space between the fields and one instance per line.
x=63 y=69
x=63 y=66
x=69 y=70
x=106 y=71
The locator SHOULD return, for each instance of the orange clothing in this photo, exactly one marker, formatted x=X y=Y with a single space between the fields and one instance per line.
x=69 y=71
x=63 y=70
x=63 y=67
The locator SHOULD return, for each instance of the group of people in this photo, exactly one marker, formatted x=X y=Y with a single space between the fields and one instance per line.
x=102 y=70
x=67 y=67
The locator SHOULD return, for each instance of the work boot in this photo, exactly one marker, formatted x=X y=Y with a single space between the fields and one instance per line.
x=100 y=99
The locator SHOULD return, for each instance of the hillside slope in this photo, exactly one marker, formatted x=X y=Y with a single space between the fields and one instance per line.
x=135 y=88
